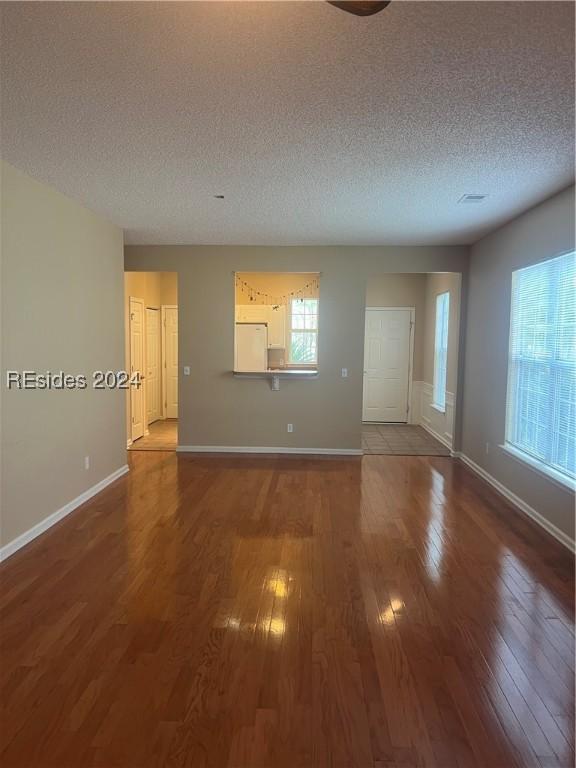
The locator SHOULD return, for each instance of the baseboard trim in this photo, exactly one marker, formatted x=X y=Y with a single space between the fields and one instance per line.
x=31 y=534
x=260 y=449
x=519 y=503
x=441 y=439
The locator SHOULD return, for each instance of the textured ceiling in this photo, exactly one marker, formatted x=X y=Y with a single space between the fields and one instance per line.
x=318 y=127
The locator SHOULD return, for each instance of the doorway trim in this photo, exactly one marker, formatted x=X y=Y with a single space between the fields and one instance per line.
x=163 y=309
x=412 y=311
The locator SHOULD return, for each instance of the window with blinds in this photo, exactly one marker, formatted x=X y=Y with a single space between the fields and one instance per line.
x=303 y=331
x=441 y=350
x=541 y=398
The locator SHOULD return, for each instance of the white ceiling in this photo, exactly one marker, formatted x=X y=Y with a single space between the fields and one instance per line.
x=319 y=127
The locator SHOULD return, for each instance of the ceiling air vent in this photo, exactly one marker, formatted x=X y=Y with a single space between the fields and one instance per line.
x=472 y=198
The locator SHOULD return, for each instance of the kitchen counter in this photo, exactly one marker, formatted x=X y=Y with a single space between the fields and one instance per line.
x=283 y=372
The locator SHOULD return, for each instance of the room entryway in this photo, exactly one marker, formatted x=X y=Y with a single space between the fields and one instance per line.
x=400 y=440
x=152 y=351
x=411 y=345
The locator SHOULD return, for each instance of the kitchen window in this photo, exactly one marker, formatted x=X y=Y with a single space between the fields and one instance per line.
x=303 y=341
x=541 y=396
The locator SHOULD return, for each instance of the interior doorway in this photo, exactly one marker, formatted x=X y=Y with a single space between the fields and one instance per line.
x=411 y=363
x=151 y=300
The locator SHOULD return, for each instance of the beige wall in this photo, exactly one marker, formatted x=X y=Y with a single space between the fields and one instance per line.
x=62 y=272
x=436 y=284
x=169 y=287
x=154 y=288
x=402 y=291
x=221 y=410
x=543 y=232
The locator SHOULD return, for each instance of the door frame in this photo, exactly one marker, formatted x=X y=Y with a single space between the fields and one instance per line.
x=412 y=311
x=163 y=309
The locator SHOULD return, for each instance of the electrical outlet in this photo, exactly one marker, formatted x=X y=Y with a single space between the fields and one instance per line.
x=290 y=427
x=86 y=462
x=344 y=373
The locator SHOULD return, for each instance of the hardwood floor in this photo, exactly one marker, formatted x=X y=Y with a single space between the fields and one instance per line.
x=242 y=612
x=162 y=436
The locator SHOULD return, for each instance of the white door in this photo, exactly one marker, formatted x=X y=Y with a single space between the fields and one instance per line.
x=386 y=365
x=137 y=366
x=153 y=384
x=170 y=353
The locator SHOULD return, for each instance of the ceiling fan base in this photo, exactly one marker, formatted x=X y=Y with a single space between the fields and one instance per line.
x=361 y=7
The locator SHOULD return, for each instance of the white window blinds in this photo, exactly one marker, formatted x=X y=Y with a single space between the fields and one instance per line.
x=304 y=331
x=541 y=407
x=441 y=350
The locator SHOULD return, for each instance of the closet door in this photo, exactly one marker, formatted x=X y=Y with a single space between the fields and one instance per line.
x=153 y=382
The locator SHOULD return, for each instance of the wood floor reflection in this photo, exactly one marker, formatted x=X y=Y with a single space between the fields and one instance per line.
x=162 y=436
x=289 y=613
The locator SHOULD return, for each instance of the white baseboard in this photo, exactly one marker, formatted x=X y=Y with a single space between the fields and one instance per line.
x=440 y=424
x=259 y=449
x=441 y=438
x=519 y=503
x=29 y=535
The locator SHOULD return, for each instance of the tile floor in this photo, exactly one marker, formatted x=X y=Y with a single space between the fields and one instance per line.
x=400 y=440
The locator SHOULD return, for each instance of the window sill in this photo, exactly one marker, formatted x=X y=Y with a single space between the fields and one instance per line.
x=438 y=408
x=549 y=473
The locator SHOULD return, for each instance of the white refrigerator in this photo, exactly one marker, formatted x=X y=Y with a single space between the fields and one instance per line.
x=251 y=353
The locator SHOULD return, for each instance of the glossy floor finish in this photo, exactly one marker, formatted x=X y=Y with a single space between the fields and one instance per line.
x=162 y=436
x=245 y=612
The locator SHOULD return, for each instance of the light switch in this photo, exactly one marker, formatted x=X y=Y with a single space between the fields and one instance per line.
x=344 y=373
x=186 y=370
